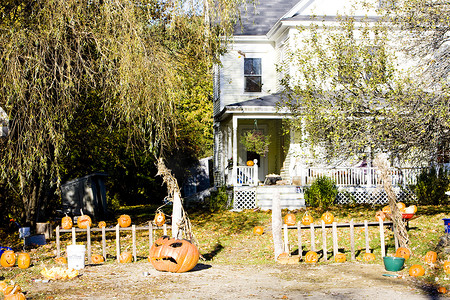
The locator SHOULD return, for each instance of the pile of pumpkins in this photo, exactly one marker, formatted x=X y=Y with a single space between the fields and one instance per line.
x=410 y=211
x=307 y=219
x=11 y=291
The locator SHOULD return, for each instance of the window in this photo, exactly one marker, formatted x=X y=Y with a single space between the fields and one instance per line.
x=252 y=74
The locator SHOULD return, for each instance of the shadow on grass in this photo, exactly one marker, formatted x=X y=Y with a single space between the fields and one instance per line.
x=217 y=249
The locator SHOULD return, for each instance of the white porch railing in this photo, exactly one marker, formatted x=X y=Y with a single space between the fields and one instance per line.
x=352 y=176
x=247 y=175
x=363 y=176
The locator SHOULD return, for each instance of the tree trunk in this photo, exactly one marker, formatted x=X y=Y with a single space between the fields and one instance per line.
x=276 y=225
x=399 y=225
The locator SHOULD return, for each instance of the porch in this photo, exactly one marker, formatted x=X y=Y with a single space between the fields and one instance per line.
x=355 y=185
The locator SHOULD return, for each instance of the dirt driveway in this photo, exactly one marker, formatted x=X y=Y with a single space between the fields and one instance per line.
x=219 y=281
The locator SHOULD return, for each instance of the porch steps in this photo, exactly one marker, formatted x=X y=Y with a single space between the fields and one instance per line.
x=284 y=172
x=291 y=197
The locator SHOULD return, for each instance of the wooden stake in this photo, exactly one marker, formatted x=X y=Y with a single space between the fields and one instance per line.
x=324 y=242
x=88 y=241
x=165 y=229
x=276 y=224
x=366 y=229
x=150 y=235
x=395 y=238
x=104 y=242
x=133 y=235
x=383 y=249
x=313 y=238
x=286 y=239
x=299 y=234
x=58 y=245
x=352 y=240
x=74 y=236
x=117 y=242
x=335 y=241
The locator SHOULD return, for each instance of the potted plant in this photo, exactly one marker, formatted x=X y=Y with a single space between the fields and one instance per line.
x=256 y=141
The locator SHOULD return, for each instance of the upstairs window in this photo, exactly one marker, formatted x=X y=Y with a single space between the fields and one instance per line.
x=252 y=74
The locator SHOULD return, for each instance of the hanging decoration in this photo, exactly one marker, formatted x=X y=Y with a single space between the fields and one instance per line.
x=255 y=141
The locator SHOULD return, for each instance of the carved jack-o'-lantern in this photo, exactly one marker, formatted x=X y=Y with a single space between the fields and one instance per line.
x=101 y=224
x=8 y=259
x=447 y=267
x=416 y=270
x=124 y=221
x=16 y=296
x=307 y=219
x=173 y=255
x=125 y=257
x=61 y=260
x=23 y=260
x=386 y=209
x=97 y=259
x=289 y=219
x=368 y=257
x=66 y=222
x=258 y=230
x=340 y=258
x=328 y=217
x=84 y=220
x=380 y=215
x=160 y=219
x=311 y=257
x=403 y=252
x=430 y=257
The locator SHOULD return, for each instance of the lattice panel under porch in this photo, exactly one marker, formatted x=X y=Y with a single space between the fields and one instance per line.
x=244 y=199
x=373 y=197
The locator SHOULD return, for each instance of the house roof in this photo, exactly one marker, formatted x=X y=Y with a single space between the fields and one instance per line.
x=259 y=19
x=269 y=100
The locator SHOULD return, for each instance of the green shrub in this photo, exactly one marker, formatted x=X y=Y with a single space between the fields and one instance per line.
x=431 y=187
x=219 y=199
x=322 y=193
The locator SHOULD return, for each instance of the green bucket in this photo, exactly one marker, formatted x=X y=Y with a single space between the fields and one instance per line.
x=393 y=264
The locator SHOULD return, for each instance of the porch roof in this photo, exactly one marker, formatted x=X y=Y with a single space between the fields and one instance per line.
x=260 y=105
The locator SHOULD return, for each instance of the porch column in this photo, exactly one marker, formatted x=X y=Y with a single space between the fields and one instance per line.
x=235 y=152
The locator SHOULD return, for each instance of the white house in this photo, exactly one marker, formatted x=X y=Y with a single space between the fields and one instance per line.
x=246 y=93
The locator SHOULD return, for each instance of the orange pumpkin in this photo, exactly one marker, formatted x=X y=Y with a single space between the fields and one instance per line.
x=250 y=163
x=340 y=258
x=368 y=257
x=84 y=220
x=447 y=267
x=416 y=270
x=386 y=209
x=442 y=290
x=23 y=260
x=311 y=257
x=97 y=259
x=307 y=219
x=403 y=252
x=125 y=257
x=380 y=215
x=173 y=255
x=61 y=260
x=160 y=219
x=3 y=285
x=11 y=289
x=430 y=257
x=101 y=224
x=328 y=217
x=17 y=296
x=290 y=219
x=124 y=221
x=66 y=222
x=258 y=230
x=8 y=259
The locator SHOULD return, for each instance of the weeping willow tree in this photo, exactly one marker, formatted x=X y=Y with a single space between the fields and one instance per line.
x=352 y=99
x=132 y=55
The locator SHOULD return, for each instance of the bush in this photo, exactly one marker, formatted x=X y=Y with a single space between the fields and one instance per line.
x=219 y=199
x=322 y=193
x=431 y=187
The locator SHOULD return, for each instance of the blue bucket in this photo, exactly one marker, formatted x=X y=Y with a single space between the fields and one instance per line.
x=3 y=249
x=447 y=225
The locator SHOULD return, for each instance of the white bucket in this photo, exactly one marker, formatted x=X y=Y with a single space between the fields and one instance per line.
x=75 y=256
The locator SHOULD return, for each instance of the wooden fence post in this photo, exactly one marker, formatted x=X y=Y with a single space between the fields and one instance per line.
x=117 y=242
x=286 y=239
x=313 y=237
x=88 y=242
x=133 y=237
x=352 y=239
x=324 y=241
x=366 y=229
x=104 y=242
x=74 y=236
x=58 y=245
x=383 y=249
x=335 y=241
x=299 y=236
x=150 y=235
